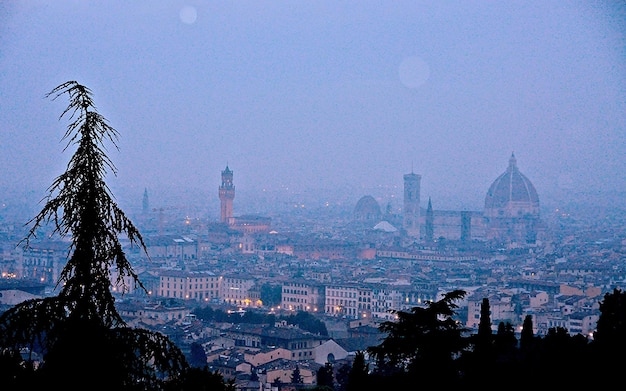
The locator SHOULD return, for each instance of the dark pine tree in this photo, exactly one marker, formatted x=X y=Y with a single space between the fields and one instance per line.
x=81 y=337
x=529 y=353
x=325 y=377
x=609 y=340
x=484 y=326
x=423 y=344
x=505 y=342
x=296 y=376
x=203 y=379
x=478 y=361
x=277 y=383
x=341 y=376
x=359 y=373
x=505 y=353
x=571 y=352
x=527 y=336
x=197 y=355
x=610 y=334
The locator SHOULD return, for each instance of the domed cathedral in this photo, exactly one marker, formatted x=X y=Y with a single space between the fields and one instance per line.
x=511 y=213
x=368 y=216
x=367 y=211
x=512 y=207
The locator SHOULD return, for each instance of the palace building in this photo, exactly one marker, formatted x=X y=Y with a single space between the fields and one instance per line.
x=247 y=224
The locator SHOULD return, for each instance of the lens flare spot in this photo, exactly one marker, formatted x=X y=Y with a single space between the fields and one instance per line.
x=188 y=14
x=413 y=72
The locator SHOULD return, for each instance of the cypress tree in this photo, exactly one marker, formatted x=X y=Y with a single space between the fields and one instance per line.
x=527 y=335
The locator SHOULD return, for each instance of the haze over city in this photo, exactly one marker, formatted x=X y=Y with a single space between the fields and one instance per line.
x=312 y=98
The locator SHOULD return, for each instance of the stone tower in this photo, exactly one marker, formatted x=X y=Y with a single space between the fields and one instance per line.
x=411 y=213
x=429 y=227
x=227 y=195
x=145 y=202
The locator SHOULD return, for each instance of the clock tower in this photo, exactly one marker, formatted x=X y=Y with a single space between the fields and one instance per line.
x=227 y=194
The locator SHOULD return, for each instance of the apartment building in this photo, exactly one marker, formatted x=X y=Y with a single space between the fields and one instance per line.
x=384 y=299
x=171 y=247
x=199 y=286
x=501 y=306
x=342 y=300
x=44 y=261
x=302 y=295
x=235 y=290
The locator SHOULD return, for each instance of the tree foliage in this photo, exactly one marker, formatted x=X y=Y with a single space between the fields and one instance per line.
x=306 y=321
x=271 y=294
x=325 y=376
x=484 y=326
x=359 y=373
x=609 y=339
x=79 y=334
x=202 y=379
x=302 y=319
x=527 y=336
x=611 y=331
x=424 y=341
x=197 y=355
x=505 y=341
x=296 y=376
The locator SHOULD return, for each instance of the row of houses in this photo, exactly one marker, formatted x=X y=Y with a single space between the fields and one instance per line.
x=173 y=273
x=551 y=304
x=348 y=300
x=254 y=355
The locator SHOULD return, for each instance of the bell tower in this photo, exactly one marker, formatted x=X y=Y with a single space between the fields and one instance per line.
x=227 y=194
x=411 y=218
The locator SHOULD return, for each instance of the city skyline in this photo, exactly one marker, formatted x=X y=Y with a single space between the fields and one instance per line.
x=321 y=99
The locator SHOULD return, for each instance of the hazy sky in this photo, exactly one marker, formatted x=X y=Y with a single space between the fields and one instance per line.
x=309 y=95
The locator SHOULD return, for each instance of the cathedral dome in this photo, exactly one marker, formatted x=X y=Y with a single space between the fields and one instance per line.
x=367 y=210
x=512 y=195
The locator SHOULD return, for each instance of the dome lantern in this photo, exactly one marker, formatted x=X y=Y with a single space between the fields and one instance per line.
x=512 y=195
